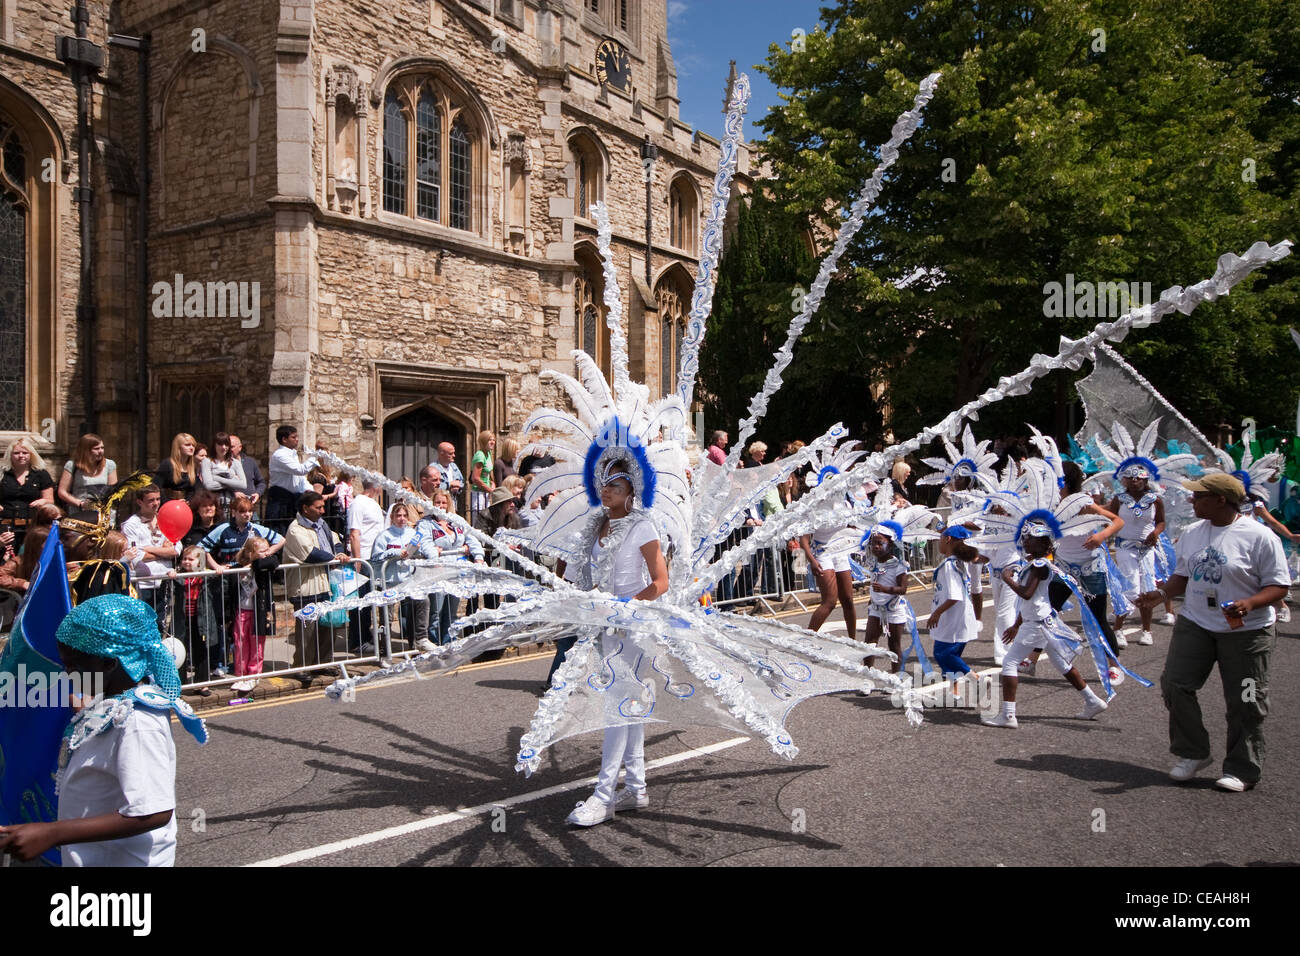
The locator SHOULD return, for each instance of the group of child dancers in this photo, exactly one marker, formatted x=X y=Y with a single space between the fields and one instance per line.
x=1046 y=543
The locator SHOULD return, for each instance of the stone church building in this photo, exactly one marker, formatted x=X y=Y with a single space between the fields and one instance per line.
x=366 y=219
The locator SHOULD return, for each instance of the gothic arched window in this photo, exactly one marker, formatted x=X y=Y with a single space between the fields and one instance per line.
x=15 y=209
x=428 y=130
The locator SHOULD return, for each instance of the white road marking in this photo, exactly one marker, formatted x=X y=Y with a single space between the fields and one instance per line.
x=416 y=826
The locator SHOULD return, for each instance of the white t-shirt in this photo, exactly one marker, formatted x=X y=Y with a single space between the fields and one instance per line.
x=630 y=575
x=140 y=535
x=129 y=770
x=956 y=624
x=889 y=573
x=1038 y=606
x=1229 y=563
x=366 y=516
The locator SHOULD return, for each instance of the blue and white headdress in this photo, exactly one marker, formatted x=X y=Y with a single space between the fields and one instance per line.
x=973 y=461
x=1131 y=459
x=1253 y=472
x=1034 y=508
x=833 y=461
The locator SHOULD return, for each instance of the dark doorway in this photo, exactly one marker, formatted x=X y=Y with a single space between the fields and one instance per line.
x=411 y=441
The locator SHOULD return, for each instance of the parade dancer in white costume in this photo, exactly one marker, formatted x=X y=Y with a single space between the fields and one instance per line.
x=967 y=475
x=1143 y=514
x=1034 y=519
x=1143 y=552
x=626 y=562
x=830 y=565
x=888 y=569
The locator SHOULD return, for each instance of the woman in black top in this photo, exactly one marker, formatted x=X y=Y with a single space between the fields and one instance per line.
x=178 y=475
x=24 y=480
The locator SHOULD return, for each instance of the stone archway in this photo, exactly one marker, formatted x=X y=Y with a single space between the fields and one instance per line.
x=411 y=440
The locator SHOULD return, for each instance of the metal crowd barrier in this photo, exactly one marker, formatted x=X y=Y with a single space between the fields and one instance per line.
x=205 y=618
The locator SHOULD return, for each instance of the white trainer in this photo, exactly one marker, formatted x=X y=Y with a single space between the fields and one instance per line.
x=1092 y=708
x=1121 y=640
x=1284 y=614
x=1000 y=720
x=1168 y=619
x=1188 y=767
x=626 y=799
x=425 y=646
x=1146 y=638
x=590 y=812
x=1116 y=676
x=1027 y=668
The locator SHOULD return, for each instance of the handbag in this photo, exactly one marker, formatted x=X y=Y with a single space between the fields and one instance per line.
x=343 y=582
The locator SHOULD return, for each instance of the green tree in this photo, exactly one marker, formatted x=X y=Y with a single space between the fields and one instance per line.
x=766 y=268
x=1101 y=138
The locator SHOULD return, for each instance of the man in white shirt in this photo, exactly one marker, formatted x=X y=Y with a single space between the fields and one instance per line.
x=288 y=477
x=155 y=554
x=365 y=524
x=452 y=479
x=365 y=520
x=1231 y=570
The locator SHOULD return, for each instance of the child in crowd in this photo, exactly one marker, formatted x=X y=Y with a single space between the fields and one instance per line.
x=250 y=640
x=194 y=623
x=952 y=620
x=117 y=771
x=106 y=571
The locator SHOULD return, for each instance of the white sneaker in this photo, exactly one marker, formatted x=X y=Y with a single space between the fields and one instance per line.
x=1146 y=639
x=1168 y=618
x=1116 y=676
x=626 y=799
x=590 y=812
x=1000 y=720
x=1284 y=614
x=1091 y=709
x=1232 y=784
x=425 y=646
x=1188 y=767
x=1028 y=668
x=1121 y=640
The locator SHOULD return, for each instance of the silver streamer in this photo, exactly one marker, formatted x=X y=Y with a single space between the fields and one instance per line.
x=904 y=127
x=706 y=278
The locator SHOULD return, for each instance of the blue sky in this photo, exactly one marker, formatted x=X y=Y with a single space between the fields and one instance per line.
x=705 y=35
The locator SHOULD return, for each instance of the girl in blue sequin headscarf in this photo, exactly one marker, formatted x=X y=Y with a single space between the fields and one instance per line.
x=117 y=769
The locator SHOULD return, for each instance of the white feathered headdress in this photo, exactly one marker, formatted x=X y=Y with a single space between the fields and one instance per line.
x=973 y=461
x=1035 y=507
x=1253 y=472
x=1134 y=459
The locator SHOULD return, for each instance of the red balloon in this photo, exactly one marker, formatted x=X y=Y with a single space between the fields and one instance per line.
x=175 y=519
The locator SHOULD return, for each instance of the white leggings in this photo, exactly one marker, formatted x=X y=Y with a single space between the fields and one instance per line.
x=623 y=745
x=1004 y=604
x=1035 y=634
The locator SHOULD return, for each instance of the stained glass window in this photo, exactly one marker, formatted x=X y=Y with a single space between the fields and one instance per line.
x=460 y=176
x=13 y=281
x=428 y=157
x=394 y=155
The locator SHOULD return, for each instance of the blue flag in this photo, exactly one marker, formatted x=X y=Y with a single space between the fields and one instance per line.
x=31 y=723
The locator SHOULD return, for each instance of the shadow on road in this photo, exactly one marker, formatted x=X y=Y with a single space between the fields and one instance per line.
x=1126 y=776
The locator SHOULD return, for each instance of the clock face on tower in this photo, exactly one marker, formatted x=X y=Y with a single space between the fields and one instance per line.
x=613 y=67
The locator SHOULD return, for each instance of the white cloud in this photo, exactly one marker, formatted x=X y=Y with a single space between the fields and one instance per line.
x=676 y=10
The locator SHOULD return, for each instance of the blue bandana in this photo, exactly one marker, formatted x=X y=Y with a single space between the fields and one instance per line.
x=125 y=629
